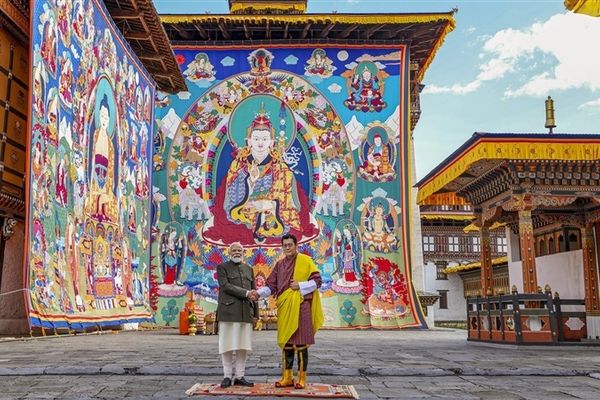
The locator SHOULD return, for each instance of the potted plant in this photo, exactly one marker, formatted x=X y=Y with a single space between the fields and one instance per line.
x=192 y=319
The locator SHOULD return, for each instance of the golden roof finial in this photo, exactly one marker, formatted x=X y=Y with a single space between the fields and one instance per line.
x=550 y=122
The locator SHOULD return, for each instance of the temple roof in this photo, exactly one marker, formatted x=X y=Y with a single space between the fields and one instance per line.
x=424 y=32
x=483 y=151
x=139 y=23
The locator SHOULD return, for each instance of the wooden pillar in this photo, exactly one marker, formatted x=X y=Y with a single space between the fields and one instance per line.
x=527 y=252
x=590 y=278
x=487 y=275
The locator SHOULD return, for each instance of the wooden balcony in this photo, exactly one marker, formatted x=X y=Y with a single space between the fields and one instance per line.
x=538 y=318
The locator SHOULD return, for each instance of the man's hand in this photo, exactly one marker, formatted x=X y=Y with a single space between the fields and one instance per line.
x=253 y=295
x=294 y=285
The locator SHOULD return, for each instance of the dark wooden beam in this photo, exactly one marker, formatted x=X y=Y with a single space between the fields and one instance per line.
x=369 y=32
x=247 y=32
x=305 y=31
x=138 y=36
x=346 y=32
x=268 y=30
x=182 y=32
x=125 y=14
x=285 y=30
x=203 y=33
x=326 y=31
x=224 y=30
x=147 y=55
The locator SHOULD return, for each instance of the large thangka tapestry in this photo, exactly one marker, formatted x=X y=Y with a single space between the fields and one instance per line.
x=269 y=141
x=89 y=217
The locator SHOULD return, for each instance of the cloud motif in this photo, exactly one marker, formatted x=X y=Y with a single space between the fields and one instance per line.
x=228 y=61
x=291 y=60
x=184 y=95
x=352 y=65
x=334 y=88
x=203 y=83
x=315 y=79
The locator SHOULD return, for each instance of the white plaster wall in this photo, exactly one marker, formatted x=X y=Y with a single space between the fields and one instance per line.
x=454 y=285
x=416 y=239
x=562 y=271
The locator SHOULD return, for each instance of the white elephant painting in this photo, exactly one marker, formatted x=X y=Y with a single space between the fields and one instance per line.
x=333 y=196
x=192 y=205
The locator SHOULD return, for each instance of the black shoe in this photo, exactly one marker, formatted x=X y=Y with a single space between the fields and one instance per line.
x=225 y=383
x=242 y=382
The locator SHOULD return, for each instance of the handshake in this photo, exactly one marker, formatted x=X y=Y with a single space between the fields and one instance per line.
x=253 y=295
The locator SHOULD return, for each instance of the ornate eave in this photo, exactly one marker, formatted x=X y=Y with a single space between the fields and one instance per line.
x=14 y=16
x=493 y=160
x=139 y=23
x=423 y=33
x=267 y=6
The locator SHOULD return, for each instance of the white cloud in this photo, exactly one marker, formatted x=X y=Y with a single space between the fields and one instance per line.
x=564 y=38
x=291 y=60
x=184 y=95
x=592 y=104
x=228 y=61
x=334 y=88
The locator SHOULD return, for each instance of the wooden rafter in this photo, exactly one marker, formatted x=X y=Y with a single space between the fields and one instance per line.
x=138 y=36
x=305 y=31
x=268 y=30
x=224 y=30
x=201 y=31
x=126 y=14
x=285 y=30
x=346 y=32
x=326 y=31
x=247 y=32
x=369 y=32
x=182 y=32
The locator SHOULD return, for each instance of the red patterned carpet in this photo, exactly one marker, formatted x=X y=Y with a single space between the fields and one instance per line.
x=312 y=390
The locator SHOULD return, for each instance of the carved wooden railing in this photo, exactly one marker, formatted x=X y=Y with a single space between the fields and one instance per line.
x=539 y=318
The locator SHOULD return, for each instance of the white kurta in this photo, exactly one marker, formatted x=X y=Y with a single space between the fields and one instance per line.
x=235 y=336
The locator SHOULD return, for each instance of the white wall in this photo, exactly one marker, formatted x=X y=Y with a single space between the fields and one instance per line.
x=457 y=305
x=562 y=271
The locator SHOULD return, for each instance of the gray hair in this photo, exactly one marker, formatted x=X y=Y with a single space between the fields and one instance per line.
x=236 y=244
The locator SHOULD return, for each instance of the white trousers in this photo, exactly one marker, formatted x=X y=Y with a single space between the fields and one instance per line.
x=240 y=363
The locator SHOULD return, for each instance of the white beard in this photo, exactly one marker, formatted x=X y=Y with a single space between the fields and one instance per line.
x=236 y=260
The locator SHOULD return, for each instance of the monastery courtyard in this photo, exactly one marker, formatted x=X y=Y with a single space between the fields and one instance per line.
x=408 y=364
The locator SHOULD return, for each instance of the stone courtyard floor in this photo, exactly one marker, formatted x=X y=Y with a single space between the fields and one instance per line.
x=409 y=364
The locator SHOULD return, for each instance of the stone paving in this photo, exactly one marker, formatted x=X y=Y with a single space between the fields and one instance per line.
x=407 y=364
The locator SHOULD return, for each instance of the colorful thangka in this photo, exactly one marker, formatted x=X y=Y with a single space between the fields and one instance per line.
x=269 y=141
x=89 y=218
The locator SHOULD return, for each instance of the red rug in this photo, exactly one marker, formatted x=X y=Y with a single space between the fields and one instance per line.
x=312 y=390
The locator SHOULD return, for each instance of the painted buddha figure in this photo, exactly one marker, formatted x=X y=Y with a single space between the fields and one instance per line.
x=102 y=182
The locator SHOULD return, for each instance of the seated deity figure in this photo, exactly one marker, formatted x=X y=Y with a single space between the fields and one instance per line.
x=377 y=165
x=319 y=64
x=379 y=230
x=366 y=89
x=261 y=199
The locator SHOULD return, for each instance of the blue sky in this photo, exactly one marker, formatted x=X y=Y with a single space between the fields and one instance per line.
x=494 y=71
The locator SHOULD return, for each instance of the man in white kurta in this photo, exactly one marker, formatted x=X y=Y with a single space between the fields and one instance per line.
x=236 y=313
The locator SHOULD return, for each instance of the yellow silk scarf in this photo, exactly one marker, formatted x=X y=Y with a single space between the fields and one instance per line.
x=288 y=303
